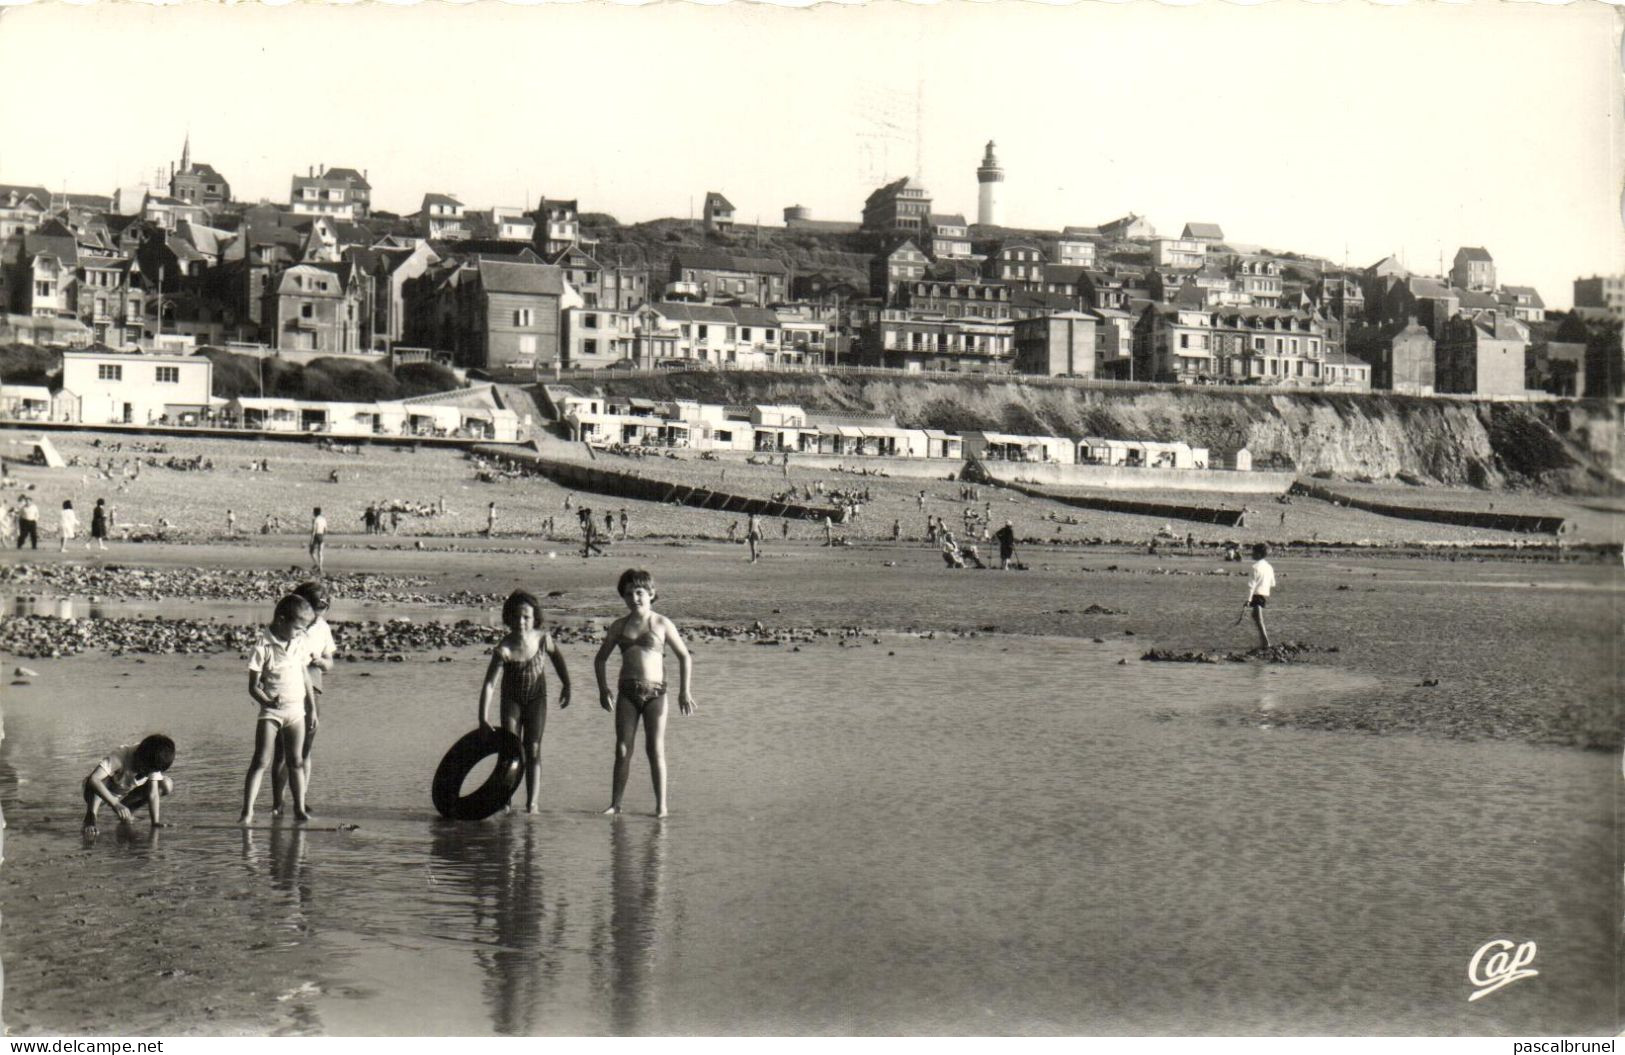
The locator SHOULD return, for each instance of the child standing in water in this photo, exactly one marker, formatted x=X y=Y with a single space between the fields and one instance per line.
x=517 y=662
x=321 y=647
x=642 y=635
x=277 y=682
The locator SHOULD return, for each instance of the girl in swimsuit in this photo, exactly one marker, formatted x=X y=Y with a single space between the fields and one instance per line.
x=517 y=663
x=642 y=635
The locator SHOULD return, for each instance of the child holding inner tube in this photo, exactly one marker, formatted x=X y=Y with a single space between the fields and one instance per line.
x=517 y=662
x=642 y=635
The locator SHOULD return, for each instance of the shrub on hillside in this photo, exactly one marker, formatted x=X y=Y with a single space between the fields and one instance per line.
x=24 y=364
x=419 y=379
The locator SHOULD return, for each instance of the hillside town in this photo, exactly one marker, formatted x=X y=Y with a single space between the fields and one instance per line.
x=526 y=293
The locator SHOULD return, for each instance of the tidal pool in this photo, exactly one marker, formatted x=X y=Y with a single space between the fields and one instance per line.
x=959 y=835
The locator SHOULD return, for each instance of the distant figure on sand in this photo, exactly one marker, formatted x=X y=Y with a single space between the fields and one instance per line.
x=753 y=537
x=278 y=683
x=1007 y=545
x=98 y=525
x=70 y=523
x=623 y=524
x=27 y=523
x=318 y=540
x=491 y=519
x=516 y=662
x=231 y=524
x=642 y=635
x=319 y=643
x=118 y=778
x=1258 y=590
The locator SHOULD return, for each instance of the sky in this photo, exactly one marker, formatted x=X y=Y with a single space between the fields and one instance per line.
x=1347 y=130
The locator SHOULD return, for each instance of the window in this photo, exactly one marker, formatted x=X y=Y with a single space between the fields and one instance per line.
x=42 y=289
x=306 y=311
x=704 y=331
x=589 y=321
x=521 y=317
x=109 y=372
x=730 y=334
x=744 y=333
x=169 y=375
x=1184 y=340
x=589 y=346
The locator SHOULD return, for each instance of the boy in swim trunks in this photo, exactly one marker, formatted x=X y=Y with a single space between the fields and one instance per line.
x=277 y=681
x=642 y=635
x=127 y=776
x=1259 y=585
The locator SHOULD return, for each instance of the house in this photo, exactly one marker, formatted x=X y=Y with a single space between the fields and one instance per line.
x=1190 y=253
x=903 y=340
x=1103 y=289
x=342 y=193
x=1599 y=294
x=892 y=268
x=953 y=293
x=22 y=209
x=1558 y=367
x=108 y=302
x=1128 y=228
x=1019 y=265
x=1206 y=233
x=441 y=217
x=900 y=207
x=720 y=276
x=45 y=270
x=1076 y=247
x=508 y=316
x=719 y=212
x=1056 y=345
x=595 y=337
x=169 y=213
x=604 y=278
x=198 y=183
x=742 y=337
x=1482 y=353
x=558 y=225
x=135 y=388
x=315 y=307
x=1341 y=370
x=1522 y=303
x=1031 y=304
x=950 y=236
x=1258 y=279
x=1402 y=357
x=503 y=223
x=1473 y=269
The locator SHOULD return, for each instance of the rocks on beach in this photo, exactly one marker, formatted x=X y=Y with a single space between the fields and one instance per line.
x=121 y=582
x=1285 y=652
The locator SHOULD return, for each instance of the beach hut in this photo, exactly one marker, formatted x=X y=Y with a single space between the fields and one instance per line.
x=940 y=444
x=264 y=412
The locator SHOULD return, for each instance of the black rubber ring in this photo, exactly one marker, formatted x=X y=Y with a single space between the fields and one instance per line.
x=460 y=761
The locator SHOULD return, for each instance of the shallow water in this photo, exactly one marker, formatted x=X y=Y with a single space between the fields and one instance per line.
x=920 y=836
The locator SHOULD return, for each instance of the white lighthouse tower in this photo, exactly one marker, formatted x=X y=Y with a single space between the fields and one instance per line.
x=989 y=175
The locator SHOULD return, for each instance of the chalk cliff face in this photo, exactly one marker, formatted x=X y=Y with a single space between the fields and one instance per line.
x=1573 y=446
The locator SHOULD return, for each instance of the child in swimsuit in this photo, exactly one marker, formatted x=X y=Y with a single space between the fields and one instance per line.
x=129 y=776
x=642 y=635
x=517 y=662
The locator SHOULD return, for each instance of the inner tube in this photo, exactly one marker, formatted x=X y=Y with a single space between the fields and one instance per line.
x=460 y=761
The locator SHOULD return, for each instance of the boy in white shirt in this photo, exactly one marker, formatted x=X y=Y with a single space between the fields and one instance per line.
x=278 y=683
x=1258 y=590
x=130 y=776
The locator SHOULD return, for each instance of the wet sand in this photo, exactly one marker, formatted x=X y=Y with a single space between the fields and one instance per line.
x=1519 y=651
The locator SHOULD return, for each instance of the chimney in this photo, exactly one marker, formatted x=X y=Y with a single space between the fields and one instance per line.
x=311 y=172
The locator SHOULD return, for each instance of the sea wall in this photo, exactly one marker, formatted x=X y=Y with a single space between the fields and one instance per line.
x=1569 y=446
x=1125 y=478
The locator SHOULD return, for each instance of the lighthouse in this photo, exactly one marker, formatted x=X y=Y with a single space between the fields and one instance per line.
x=989 y=175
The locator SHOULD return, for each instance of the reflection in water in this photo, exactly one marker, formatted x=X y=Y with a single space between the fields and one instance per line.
x=623 y=959
x=520 y=941
x=60 y=607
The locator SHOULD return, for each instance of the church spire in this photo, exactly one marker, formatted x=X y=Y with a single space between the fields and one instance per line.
x=186 y=152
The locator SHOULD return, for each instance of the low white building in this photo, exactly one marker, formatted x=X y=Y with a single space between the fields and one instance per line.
x=1001 y=446
x=136 y=388
x=265 y=412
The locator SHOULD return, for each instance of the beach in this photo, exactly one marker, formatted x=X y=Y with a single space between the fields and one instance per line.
x=914 y=799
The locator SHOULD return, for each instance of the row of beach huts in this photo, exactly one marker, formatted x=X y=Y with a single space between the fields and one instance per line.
x=776 y=428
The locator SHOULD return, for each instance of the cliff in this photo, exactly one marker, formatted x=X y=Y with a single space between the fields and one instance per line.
x=1568 y=447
